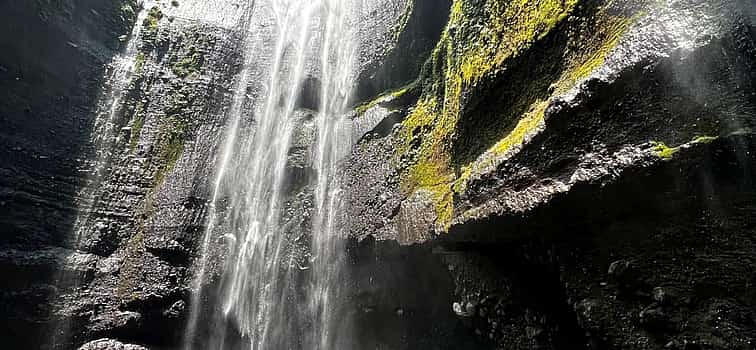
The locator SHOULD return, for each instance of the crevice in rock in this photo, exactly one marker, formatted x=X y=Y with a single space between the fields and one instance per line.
x=414 y=44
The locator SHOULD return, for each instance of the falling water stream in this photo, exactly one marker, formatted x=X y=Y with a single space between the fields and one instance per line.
x=106 y=124
x=267 y=298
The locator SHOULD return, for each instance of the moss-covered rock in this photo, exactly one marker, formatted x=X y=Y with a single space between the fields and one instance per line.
x=573 y=152
x=502 y=69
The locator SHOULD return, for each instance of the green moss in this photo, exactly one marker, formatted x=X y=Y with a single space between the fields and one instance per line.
x=150 y=25
x=188 y=64
x=137 y=124
x=612 y=29
x=153 y=18
x=529 y=124
x=666 y=152
x=520 y=23
x=663 y=151
x=139 y=63
x=480 y=41
x=386 y=96
x=578 y=67
x=173 y=147
x=704 y=139
x=132 y=268
x=461 y=59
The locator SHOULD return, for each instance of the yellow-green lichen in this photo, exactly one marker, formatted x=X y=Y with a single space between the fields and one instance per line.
x=150 y=25
x=612 y=28
x=385 y=97
x=529 y=123
x=153 y=18
x=578 y=68
x=663 y=151
x=666 y=152
x=704 y=139
x=188 y=64
x=132 y=270
x=139 y=63
x=466 y=57
x=172 y=149
x=137 y=123
x=519 y=23
x=463 y=58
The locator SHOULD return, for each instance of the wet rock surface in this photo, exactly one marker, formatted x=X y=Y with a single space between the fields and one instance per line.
x=51 y=71
x=147 y=212
x=109 y=344
x=593 y=190
x=616 y=222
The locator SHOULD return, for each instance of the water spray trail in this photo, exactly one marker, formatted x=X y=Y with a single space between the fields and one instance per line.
x=232 y=134
x=119 y=73
x=122 y=68
x=260 y=287
x=337 y=63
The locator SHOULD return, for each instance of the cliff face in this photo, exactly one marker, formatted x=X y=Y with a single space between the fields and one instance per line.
x=525 y=175
x=585 y=167
x=52 y=65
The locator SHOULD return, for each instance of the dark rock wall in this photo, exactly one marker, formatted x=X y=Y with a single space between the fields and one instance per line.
x=54 y=55
x=146 y=215
x=587 y=186
x=109 y=253
x=53 y=62
x=550 y=175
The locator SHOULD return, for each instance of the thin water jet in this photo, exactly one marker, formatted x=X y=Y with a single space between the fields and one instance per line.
x=108 y=119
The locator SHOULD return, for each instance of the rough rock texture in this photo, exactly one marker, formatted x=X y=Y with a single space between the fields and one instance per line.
x=526 y=174
x=105 y=193
x=52 y=65
x=110 y=344
x=147 y=206
x=588 y=163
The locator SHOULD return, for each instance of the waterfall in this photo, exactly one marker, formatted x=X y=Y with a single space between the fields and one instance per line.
x=332 y=145
x=272 y=294
x=108 y=119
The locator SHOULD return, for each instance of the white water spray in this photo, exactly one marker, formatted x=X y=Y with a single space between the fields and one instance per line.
x=264 y=299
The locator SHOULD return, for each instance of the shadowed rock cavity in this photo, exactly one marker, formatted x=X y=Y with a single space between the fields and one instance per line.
x=416 y=34
x=661 y=257
x=402 y=297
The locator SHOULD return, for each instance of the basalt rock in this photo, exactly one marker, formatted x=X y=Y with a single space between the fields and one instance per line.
x=576 y=159
x=524 y=174
x=52 y=67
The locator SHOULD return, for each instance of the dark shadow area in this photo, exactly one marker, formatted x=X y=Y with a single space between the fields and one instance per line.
x=414 y=45
x=402 y=298
x=511 y=293
x=674 y=240
x=52 y=65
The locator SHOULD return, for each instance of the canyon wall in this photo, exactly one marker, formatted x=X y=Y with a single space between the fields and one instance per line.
x=524 y=175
